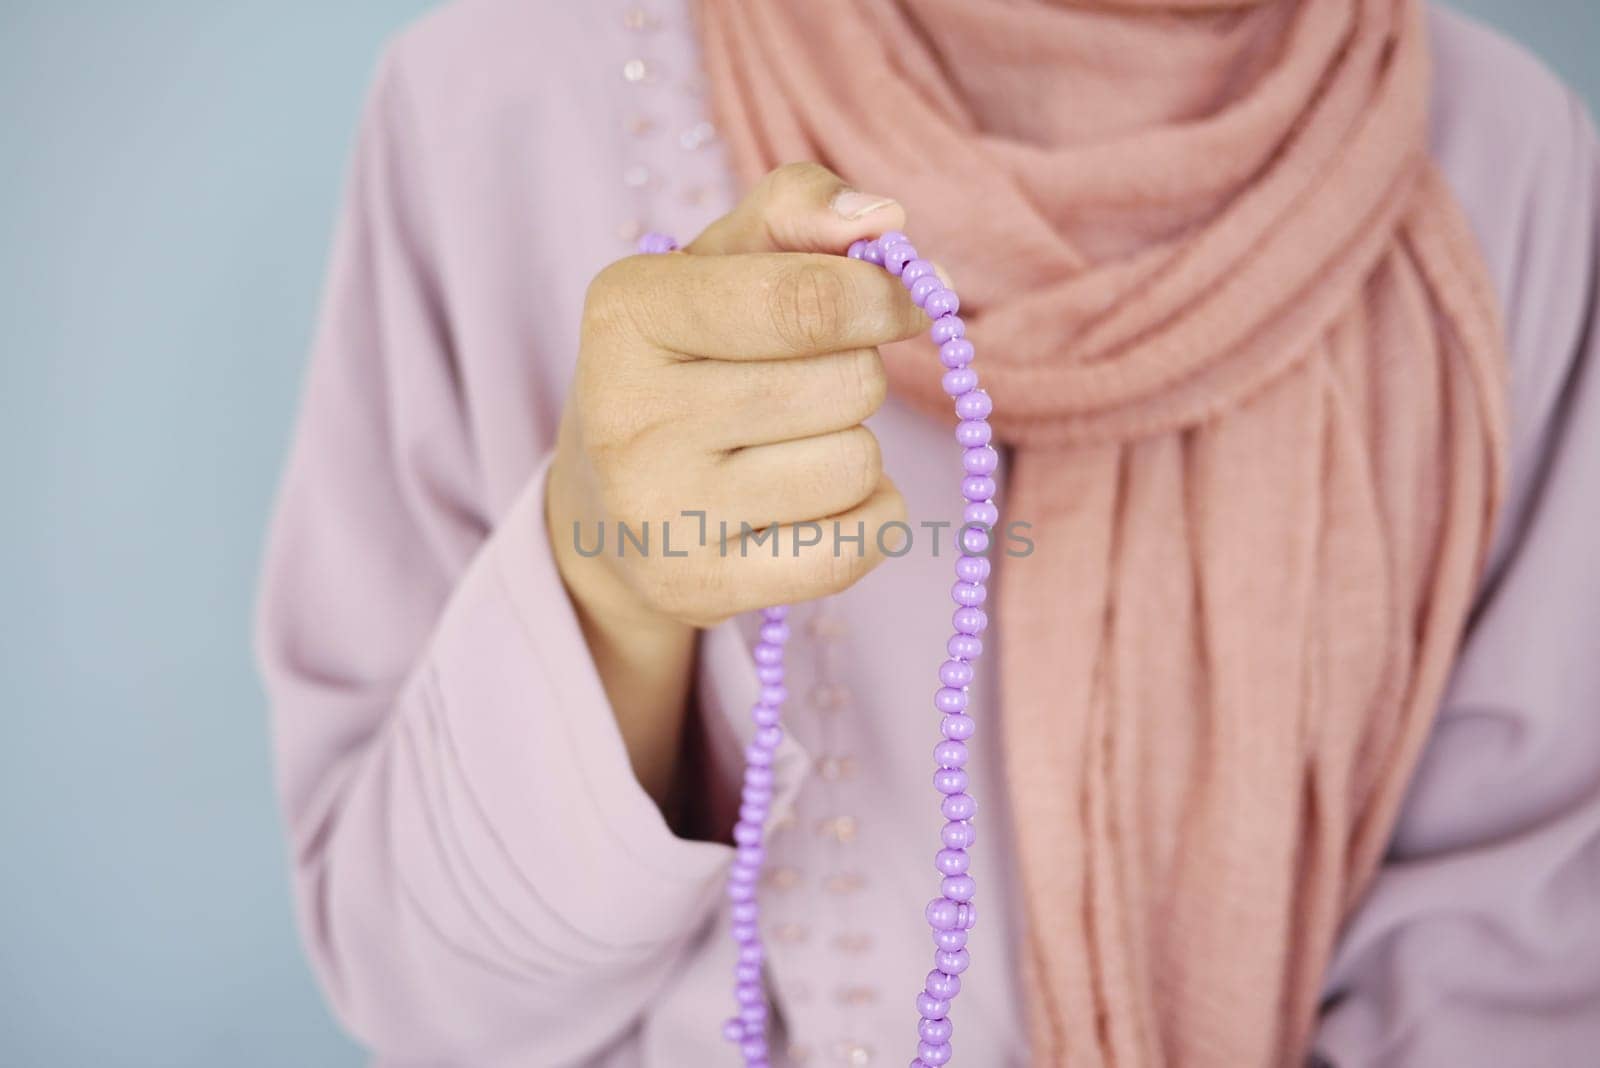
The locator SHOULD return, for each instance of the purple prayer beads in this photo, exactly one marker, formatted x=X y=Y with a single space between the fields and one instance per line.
x=952 y=914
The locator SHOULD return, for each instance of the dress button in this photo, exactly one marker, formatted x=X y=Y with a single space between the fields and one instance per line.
x=635 y=70
x=637 y=18
x=829 y=697
x=844 y=882
x=782 y=878
x=853 y=942
x=697 y=136
x=856 y=995
x=842 y=828
x=837 y=768
x=854 y=1053
x=827 y=628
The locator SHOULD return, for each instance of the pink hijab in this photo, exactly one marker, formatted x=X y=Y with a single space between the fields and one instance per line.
x=1246 y=358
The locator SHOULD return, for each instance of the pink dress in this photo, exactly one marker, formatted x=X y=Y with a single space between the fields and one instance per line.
x=480 y=879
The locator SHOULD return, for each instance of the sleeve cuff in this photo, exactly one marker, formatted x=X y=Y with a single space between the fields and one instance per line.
x=540 y=749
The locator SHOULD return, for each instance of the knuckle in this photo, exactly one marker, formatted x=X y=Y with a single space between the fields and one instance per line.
x=865 y=384
x=604 y=304
x=859 y=464
x=808 y=305
x=795 y=179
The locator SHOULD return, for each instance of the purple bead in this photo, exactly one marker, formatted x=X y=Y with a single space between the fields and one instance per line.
x=973 y=488
x=745 y=932
x=896 y=256
x=914 y=270
x=776 y=613
x=770 y=674
x=934 y=1054
x=753 y=813
x=747 y=973
x=756 y=795
x=951 y=862
x=775 y=633
x=751 y=855
x=748 y=993
x=952 y=963
x=957 y=352
x=934 y=1030
x=758 y=776
x=950 y=780
x=755 y=1052
x=974 y=568
x=959 y=887
x=948 y=754
x=892 y=237
x=942 y=986
x=946 y=327
x=948 y=699
x=742 y=873
x=980 y=461
x=958 y=727
x=733 y=1031
x=873 y=253
x=942 y=302
x=746 y=835
x=958 y=807
x=769 y=737
x=754 y=1015
x=932 y=1008
x=654 y=243
x=757 y=755
x=774 y=695
x=923 y=288
x=959 y=381
x=973 y=432
x=766 y=715
x=767 y=654
x=950 y=940
x=958 y=834
x=970 y=594
x=955 y=673
x=974 y=405
x=741 y=891
x=942 y=914
x=980 y=513
x=974 y=540
x=856 y=249
x=970 y=620
x=965 y=646
x=967 y=916
x=752 y=954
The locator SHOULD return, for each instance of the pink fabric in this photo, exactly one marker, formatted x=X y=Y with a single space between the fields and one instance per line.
x=480 y=880
x=1245 y=356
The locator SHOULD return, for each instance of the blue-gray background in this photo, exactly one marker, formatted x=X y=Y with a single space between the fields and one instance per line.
x=168 y=175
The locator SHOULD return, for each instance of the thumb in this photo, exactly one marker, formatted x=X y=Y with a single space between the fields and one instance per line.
x=800 y=207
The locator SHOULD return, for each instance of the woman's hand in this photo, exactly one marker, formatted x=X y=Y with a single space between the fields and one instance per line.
x=731 y=380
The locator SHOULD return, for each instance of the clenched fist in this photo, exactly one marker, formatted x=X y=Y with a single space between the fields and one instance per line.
x=732 y=379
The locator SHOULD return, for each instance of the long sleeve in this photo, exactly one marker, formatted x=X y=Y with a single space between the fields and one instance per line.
x=1479 y=943
x=478 y=875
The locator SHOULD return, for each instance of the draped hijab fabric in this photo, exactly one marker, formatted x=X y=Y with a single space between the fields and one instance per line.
x=1247 y=362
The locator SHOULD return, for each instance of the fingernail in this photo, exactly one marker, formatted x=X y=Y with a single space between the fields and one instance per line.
x=853 y=204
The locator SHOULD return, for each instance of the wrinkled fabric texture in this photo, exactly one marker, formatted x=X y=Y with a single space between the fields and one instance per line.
x=1247 y=358
x=479 y=878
